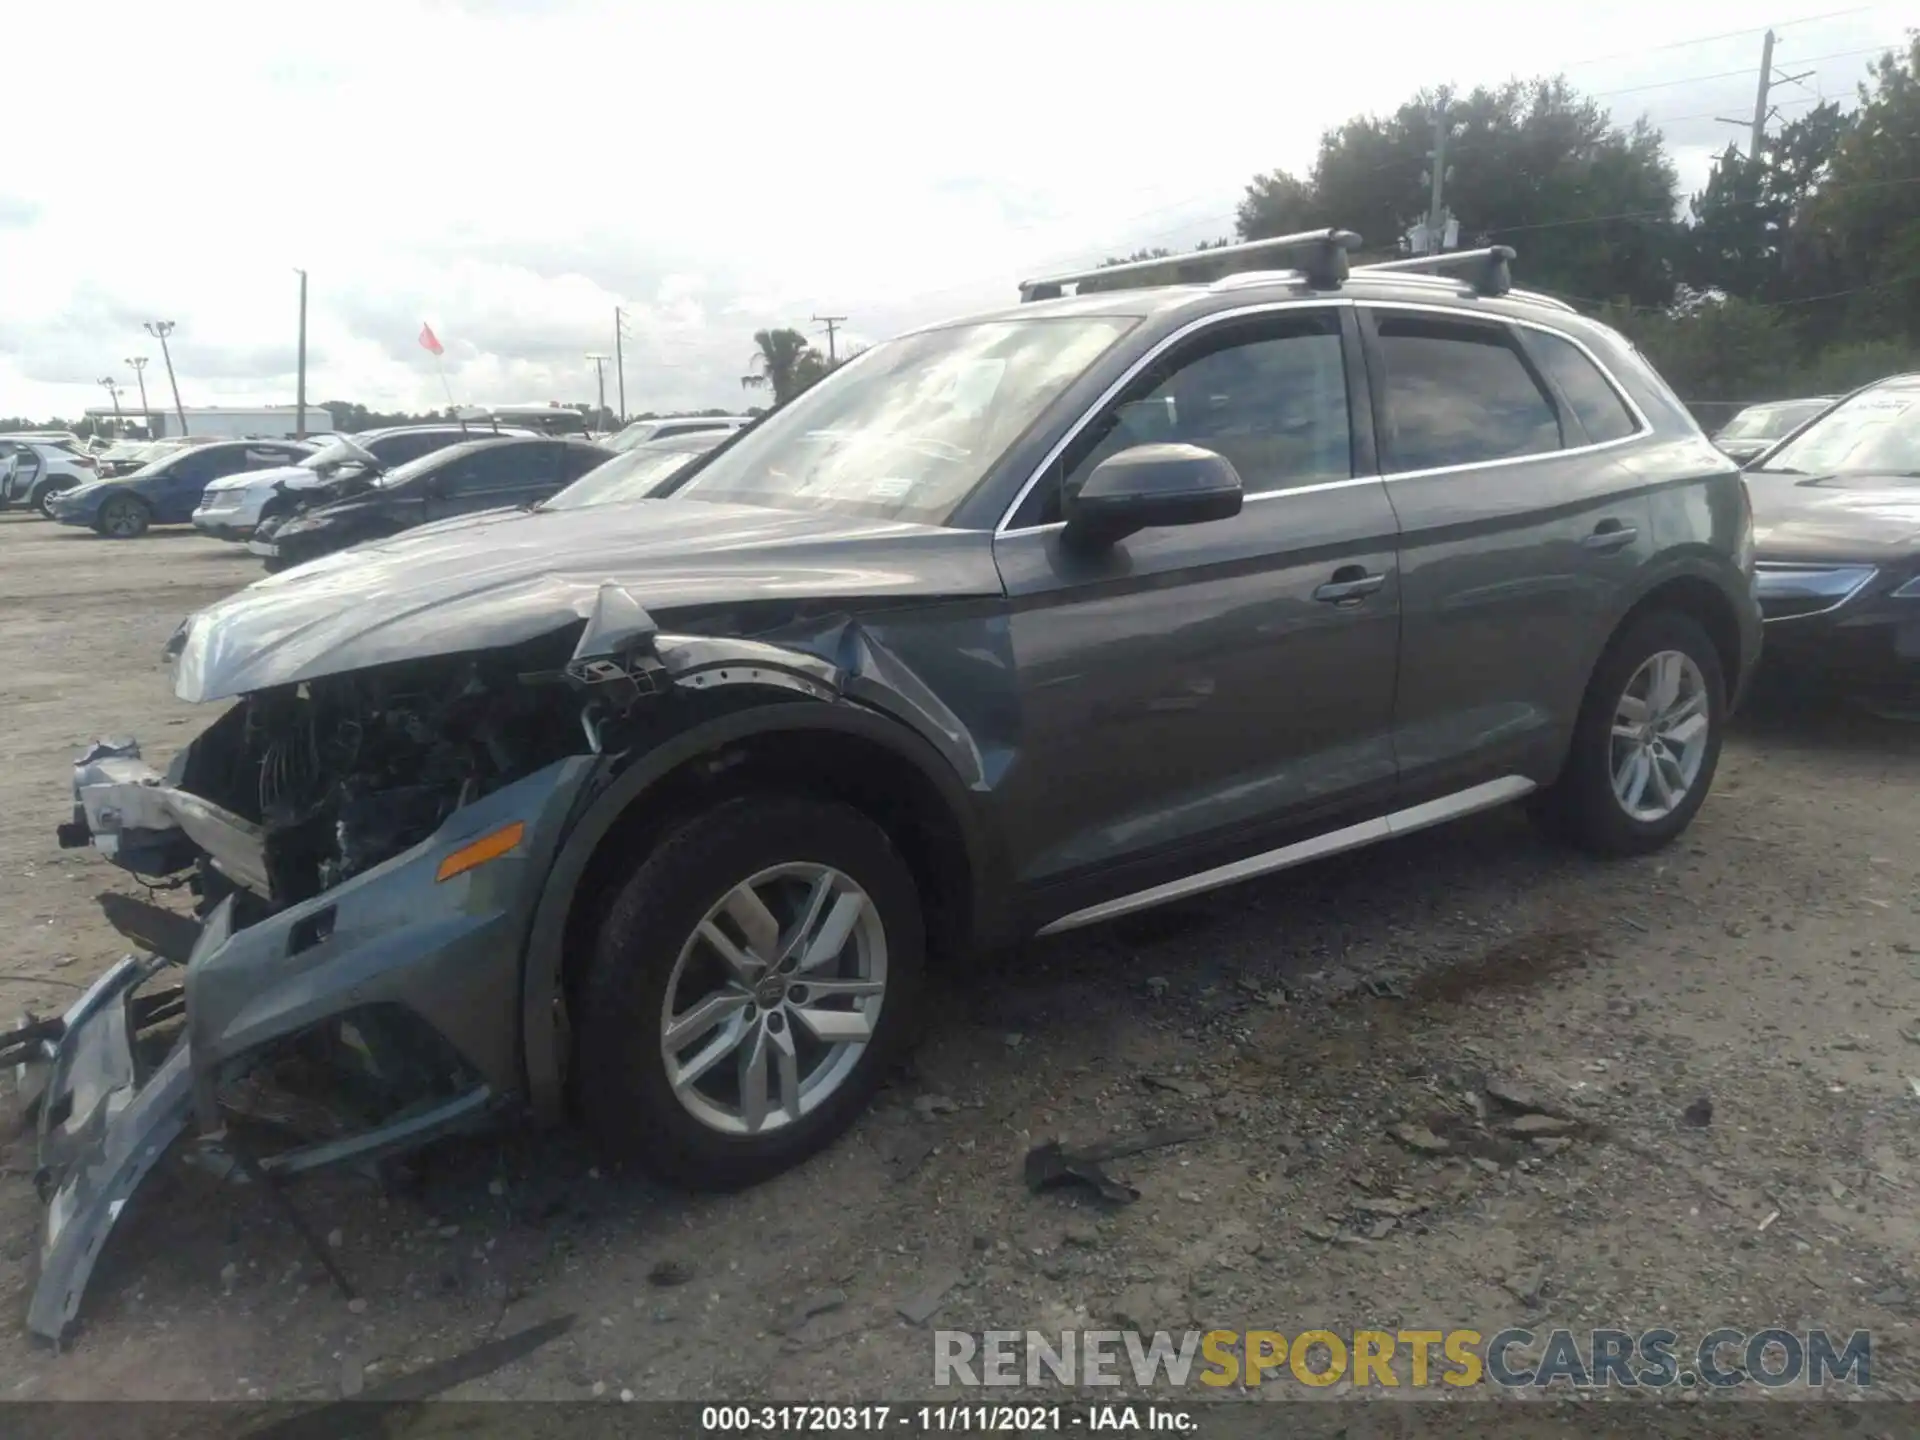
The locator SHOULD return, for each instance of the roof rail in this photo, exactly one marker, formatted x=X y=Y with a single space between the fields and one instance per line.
x=1486 y=270
x=1323 y=256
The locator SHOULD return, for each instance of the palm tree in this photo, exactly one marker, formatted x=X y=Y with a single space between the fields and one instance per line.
x=781 y=362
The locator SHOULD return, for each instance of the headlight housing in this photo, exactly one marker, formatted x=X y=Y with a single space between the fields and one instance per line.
x=1786 y=591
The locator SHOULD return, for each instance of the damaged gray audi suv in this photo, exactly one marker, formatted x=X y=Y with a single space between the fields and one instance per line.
x=659 y=813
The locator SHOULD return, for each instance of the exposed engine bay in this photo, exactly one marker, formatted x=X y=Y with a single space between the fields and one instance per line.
x=297 y=789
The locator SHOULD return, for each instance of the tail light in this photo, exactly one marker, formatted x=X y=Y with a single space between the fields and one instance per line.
x=86 y=462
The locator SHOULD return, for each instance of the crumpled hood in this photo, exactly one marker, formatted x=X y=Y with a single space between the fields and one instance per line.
x=496 y=582
x=1869 y=522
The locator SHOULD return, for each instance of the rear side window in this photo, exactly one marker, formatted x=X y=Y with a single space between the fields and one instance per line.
x=1593 y=400
x=1459 y=395
x=398 y=449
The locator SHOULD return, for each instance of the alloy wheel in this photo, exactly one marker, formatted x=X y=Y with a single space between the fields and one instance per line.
x=773 y=998
x=1661 y=726
x=122 y=519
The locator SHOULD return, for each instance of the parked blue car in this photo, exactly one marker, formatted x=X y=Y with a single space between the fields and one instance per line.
x=167 y=491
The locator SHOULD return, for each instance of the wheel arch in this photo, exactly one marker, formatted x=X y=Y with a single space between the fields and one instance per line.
x=1695 y=592
x=839 y=750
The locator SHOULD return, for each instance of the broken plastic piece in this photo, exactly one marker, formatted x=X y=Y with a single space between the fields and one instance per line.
x=1049 y=1167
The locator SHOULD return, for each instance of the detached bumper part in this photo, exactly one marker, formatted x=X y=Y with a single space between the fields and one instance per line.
x=100 y=1132
x=404 y=980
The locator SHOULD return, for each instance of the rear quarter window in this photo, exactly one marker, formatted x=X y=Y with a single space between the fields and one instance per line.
x=1588 y=393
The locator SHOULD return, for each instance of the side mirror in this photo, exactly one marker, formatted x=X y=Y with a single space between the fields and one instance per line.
x=1148 y=486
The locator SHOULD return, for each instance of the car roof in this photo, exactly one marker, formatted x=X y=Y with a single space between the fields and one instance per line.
x=695 y=440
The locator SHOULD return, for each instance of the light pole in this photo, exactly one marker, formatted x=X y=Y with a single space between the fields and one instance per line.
x=620 y=358
x=113 y=393
x=600 y=373
x=139 y=364
x=300 y=393
x=160 y=330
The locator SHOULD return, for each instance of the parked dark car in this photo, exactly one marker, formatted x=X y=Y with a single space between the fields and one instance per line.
x=166 y=491
x=1759 y=427
x=460 y=479
x=1837 y=538
x=659 y=813
x=233 y=509
x=638 y=471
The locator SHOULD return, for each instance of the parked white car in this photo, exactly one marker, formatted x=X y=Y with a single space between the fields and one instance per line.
x=35 y=468
x=642 y=432
x=231 y=509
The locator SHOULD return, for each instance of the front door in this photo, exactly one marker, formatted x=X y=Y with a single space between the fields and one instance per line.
x=503 y=474
x=1519 y=533
x=1201 y=694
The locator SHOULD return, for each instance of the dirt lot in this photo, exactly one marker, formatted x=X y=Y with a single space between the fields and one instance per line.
x=1770 y=962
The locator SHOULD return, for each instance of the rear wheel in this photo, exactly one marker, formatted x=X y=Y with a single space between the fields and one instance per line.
x=1647 y=741
x=42 y=497
x=124 y=517
x=751 y=983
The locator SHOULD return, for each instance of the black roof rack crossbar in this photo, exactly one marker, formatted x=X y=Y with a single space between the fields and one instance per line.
x=1488 y=270
x=1321 y=255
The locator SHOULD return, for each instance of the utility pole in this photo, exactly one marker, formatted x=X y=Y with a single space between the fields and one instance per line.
x=1760 y=98
x=139 y=364
x=113 y=391
x=300 y=390
x=1762 y=111
x=160 y=330
x=620 y=359
x=1436 y=211
x=833 y=323
x=600 y=374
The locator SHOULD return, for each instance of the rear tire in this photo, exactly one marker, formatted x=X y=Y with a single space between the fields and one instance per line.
x=41 y=500
x=124 y=517
x=1641 y=761
x=782 y=1069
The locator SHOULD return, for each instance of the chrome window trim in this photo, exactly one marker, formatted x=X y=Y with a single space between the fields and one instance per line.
x=1789 y=567
x=1643 y=426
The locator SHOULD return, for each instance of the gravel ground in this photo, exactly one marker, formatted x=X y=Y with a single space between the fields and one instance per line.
x=1310 y=1026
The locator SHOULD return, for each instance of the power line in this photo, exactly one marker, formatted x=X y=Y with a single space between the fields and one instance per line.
x=1709 y=39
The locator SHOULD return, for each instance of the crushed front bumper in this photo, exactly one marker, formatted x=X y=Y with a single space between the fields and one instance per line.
x=414 y=980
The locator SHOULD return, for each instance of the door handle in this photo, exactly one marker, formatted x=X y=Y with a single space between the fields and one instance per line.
x=1610 y=535
x=1349 y=582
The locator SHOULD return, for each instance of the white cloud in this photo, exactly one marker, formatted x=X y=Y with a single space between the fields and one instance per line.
x=512 y=170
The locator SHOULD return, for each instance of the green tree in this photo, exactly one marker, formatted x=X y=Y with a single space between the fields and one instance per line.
x=1749 y=235
x=784 y=362
x=1863 y=224
x=1590 y=205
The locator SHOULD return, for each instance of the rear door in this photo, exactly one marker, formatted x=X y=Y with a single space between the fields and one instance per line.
x=1519 y=533
x=1205 y=695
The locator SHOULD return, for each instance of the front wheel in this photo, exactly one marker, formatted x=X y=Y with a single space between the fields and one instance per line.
x=124 y=517
x=1647 y=741
x=751 y=983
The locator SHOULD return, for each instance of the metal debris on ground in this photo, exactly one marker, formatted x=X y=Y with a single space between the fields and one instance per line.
x=919 y=1308
x=1523 y=1099
x=669 y=1272
x=928 y=1106
x=366 y=1413
x=1048 y=1167
x=1179 y=1085
x=816 y=1304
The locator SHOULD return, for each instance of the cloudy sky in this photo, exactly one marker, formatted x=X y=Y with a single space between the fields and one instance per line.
x=511 y=170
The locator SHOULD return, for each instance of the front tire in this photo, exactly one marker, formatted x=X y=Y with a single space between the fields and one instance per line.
x=124 y=517
x=751 y=984
x=1647 y=742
